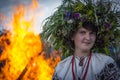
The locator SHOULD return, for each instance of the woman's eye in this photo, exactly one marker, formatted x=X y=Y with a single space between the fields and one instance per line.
x=82 y=32
x=92 y=33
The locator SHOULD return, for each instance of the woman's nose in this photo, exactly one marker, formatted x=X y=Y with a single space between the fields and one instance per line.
x=87 y=36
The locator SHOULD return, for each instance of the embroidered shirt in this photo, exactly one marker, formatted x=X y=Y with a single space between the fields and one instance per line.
x=101 y=67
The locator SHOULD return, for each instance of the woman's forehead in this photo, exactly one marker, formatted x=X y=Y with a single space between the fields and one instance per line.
x=84 y=29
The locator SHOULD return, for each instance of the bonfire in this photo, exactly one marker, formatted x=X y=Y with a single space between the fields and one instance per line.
x=22 y=55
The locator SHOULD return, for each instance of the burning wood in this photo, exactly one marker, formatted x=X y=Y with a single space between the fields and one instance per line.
x=22 y=55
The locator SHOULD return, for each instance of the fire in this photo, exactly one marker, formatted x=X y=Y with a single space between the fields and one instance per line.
x=23 y=54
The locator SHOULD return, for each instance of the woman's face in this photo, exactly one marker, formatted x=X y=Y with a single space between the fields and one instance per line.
x=84 y=39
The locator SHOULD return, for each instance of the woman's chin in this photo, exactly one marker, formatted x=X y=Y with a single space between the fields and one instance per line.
x=86 y=49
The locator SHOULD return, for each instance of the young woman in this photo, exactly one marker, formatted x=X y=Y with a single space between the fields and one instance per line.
x=84 y=64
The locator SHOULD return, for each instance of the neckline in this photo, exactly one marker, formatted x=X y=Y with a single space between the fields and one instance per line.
x=81 y=56
x=86 y=69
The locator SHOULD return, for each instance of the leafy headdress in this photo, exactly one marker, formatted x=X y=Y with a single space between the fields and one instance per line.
x=103 y=13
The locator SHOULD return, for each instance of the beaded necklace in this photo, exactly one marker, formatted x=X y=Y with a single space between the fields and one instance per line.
x=86 y=70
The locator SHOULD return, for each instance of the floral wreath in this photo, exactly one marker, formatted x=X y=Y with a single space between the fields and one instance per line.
x=104 y=14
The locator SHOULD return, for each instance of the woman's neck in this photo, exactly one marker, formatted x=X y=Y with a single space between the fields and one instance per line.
x=81 y=53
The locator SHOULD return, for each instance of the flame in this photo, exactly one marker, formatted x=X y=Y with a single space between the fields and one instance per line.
x=23 y=52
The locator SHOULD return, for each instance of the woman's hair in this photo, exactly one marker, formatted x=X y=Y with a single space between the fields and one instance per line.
x=87 y=25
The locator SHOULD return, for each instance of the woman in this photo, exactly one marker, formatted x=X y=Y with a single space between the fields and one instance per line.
x=85 y=29
x=84 y=64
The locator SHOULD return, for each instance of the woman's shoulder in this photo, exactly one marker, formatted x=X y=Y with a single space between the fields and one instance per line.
x=62 y=66
x=64 y=61
x=102 y=57
x=102 y=60
x=107 y=68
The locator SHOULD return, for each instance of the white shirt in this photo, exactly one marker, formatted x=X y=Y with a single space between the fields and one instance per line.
x=101 y=67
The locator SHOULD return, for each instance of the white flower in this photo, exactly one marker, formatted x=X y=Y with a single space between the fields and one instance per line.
x=70 y=21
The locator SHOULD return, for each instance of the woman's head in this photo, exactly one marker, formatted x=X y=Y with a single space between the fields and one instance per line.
x=71 y=15
x=84 y=36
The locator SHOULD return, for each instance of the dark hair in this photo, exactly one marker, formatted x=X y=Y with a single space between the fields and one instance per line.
x=85 y=24
x=90 y=26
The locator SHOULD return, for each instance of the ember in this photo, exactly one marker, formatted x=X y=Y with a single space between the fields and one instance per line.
x=22 y=56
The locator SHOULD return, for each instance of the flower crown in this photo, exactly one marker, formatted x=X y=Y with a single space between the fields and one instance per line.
x=57 y=27
x=78 y=16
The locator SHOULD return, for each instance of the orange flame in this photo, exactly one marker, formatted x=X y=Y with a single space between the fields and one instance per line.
x=22 y=55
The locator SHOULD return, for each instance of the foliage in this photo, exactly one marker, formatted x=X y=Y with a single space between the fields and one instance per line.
x=103 y=13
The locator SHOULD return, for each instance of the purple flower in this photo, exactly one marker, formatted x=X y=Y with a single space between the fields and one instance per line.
x=107 y=24
x=67 y=15
x=76 y=15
